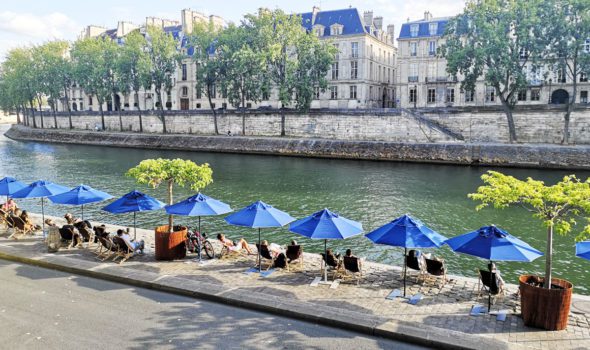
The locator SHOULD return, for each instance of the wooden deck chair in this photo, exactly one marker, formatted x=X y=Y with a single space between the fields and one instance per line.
x=4 y=219
x=108 y=248
x=266 y=256
x=68 y=234
x=125 y=251
x=437 y=268
x=413 y=263
x=484 y=285
x=19 y=226
x=334 y=265
x=353 y=269
x=99 y=231
x=294 y=253
x=86 y=234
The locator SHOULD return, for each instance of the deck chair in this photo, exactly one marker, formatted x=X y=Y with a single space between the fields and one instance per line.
x=266 y=255
x=4 y=219
x=124 y=250
x=86 y=234
x=19 y=226
x=413 y=263
x=99 y=231
x=334 y=264
x=483 y=285
x=352 y=269
x=68 y=234
x=437 y=268
x=294 y=253
x=108 y=248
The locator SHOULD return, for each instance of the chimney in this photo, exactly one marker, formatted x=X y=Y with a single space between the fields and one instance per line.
x=368 y=18
x=378 y=22
x=427 y=16
x=314 y=14
x=391 y=32
x=187 y=21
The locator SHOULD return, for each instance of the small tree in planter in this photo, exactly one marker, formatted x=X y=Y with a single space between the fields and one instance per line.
x=171 y=171
x=558 y=206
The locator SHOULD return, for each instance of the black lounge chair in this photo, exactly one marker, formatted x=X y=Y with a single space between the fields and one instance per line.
x=494 y=288
x=124 y=250
x=108 y=248
x=86 y=234
x=352 y=268
x=294 y=253
x=437 y=268
x=68 y=234
x=265 y=253
x=19 y=226
x=413 y=263
x=333 y=263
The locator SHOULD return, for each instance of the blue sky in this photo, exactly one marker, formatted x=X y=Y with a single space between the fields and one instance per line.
x=25 y=22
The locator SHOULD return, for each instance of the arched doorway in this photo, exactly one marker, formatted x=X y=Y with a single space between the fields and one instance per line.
x=559 y=97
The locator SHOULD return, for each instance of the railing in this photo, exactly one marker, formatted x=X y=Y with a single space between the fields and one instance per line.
x=443 y=79
x=413 y=79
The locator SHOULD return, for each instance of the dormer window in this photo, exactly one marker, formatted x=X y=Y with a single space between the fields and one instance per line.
x=414 y=30
x=336 y=29
x=433 y=28
x=318 y=30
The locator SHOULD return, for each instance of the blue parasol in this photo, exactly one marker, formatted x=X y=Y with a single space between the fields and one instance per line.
x=79 y=196
x=134 y=202
x=40 y=189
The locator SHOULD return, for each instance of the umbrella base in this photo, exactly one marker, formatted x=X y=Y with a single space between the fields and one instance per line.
x=170 y=246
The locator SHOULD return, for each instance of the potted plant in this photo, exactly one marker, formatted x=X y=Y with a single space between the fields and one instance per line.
x=543 y=305
x=169 y=239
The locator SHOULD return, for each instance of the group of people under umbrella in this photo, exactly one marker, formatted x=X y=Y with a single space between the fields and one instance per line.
x=489 y=242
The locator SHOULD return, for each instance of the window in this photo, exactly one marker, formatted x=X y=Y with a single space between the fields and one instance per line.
x=371 y=71
x=584 y=96
x=335 y=71
x=561 y=76
x=354 y=49
x=90 y=100
x=354 y=69
x=213 y=91
x=432 y=48
x=413 y=95
x=316 y=92
x=433 y=28
x=198 y=105
x=213 y=105
x=413 y=76
x=413 y=48
x=184 y=72
x=337 y=54
x=523 y=53
x=583 y=78
x=199 y=94
x=414 y=30
x=432 y=71
x=333 y=92
x=522 y=95
x=431 y=97
x=370 y=92
x=535 y=94
x=469 y=96
x=490 y=94
x=81 y=106
x=184 y=91
x=353 y=92
x=587 y=46
x=450 y=95
x=266 y=95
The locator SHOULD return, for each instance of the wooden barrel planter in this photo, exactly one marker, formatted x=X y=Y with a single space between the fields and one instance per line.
x=545 y=308
x=170 y=246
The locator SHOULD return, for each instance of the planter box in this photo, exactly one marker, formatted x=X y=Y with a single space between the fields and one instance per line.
x=170 y=246
x=545 y=308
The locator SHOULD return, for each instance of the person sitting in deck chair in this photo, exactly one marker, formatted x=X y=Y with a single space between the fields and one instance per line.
x=233 y=247
x=499 y=280
x=10 y=206
x=139 y=245
x=28 y=222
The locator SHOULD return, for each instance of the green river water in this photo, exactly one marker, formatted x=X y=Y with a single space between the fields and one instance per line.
x=371 y=192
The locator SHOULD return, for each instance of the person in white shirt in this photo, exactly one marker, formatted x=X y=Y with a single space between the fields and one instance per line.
x=139 y=245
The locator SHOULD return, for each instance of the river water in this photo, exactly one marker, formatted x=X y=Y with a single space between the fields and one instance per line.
x=371 y=192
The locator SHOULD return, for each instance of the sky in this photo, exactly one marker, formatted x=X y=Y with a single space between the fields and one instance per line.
x=27 y=22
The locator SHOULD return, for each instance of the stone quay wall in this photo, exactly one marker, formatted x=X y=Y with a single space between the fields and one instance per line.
x=516 y=155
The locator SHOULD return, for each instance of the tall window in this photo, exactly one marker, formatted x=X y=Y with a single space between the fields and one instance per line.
x=213 y=91
x=413 y=48
x=337 y=54
x=353 y=92
x=354 y=49
x=522 y=95
x=433 y=28
x=432 y=71
x=370 y=92
x=583 y=78
x=431 y=97
x=333 y=92
x=90 y=100
x=371 y=71
x=199 y=94
x=561 y=76
x=335 y=71
x=587 y=46
x=584 y=96
x=414 y=30
x=450 y=95
x=413 y=95
x=184 y=71
x=490 y=94
x=354 y=69
x=184 y=91
x=413 y=76
x=469 y=96
x=535 y=94
x=432 y=48
x=316 y=92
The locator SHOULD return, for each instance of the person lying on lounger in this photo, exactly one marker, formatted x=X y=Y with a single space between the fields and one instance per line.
x=139 y=245
x=232 y=246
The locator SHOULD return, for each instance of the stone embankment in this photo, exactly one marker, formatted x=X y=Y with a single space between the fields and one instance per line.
x=489 y=154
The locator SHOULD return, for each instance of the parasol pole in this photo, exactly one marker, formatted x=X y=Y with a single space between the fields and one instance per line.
x=405 y=268
x=259 y=249
x=82 y=212
x=490 y=287
x=43 y=215
x=199 y=241
x=134 y=227
x=325 y=260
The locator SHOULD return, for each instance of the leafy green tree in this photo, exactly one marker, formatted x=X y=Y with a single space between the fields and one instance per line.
x=182 y=172
x=19 y=76
x=557 y=206
x=567 y=26
x=243 y=69
x=93 y=68
x=133 y=68
x=204 y=38
x=494 y=40
x=164 y=58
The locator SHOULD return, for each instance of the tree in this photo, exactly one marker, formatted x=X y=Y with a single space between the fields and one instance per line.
x=243 y=69
x=92 y=68
x=153 y=172
x=567 y=25
x=494 y=39
x=133 y=68
x=558 y=206
x=19 y=75
x=204 y=39
x=164 y=57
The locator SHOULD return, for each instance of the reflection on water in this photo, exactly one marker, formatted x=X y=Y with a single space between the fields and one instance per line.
x=371 y=192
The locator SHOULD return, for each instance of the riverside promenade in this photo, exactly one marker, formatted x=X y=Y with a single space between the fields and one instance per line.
x=440 y=319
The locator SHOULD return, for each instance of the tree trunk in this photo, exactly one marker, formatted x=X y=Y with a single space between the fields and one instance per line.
x=120 y=117
x=243 y=112
x=33 y=113
x=282 y=121
x=69 y=109
x=54 y=116
x=161 y=109
x=216 y=129
x=510 y=118
x=548 y=257
x=40 y=112
x=101 y=114
x=566 y=118
x=139 y=111
x=17 y=116
x=170 y=217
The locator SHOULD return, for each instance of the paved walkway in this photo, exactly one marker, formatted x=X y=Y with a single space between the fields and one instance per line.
x=441 y=317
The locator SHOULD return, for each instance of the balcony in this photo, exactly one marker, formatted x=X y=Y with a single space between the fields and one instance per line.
x=413 y=79
x=443 y=79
